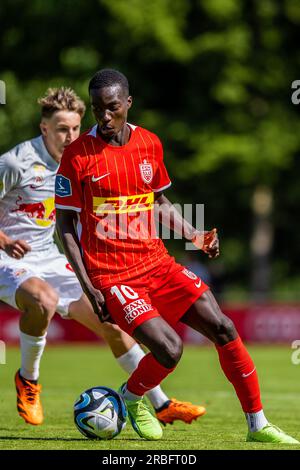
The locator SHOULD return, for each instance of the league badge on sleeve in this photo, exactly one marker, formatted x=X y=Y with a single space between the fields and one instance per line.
x=146 y=171
x=63 y=186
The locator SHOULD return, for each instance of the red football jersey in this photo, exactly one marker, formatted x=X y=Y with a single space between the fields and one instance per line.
x=113 y=190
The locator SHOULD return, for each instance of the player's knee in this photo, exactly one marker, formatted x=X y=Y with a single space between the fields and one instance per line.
x=46 y=302
x=110 y=331
x=225 y=330
x=171 y=352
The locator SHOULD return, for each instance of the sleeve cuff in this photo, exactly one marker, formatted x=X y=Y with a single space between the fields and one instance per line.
x=162 y=188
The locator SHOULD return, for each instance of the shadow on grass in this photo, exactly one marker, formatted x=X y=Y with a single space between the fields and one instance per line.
x=15 y=438
x=70 y=439
x=67 y=439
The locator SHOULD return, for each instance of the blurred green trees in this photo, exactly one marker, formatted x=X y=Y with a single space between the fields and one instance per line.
x=211 y=77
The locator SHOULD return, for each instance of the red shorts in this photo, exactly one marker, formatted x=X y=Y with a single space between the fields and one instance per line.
x=168 y=291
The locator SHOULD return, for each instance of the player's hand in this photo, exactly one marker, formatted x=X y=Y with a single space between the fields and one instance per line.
x=16 y=248
x=98 y=303
x=207 y=241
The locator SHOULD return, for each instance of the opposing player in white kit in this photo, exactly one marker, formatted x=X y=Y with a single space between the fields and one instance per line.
x=34 y=276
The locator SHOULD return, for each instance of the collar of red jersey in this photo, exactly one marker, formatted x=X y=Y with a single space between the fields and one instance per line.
x=93 y=131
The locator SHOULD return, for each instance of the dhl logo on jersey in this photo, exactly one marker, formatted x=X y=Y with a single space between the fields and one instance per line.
x=123 y=204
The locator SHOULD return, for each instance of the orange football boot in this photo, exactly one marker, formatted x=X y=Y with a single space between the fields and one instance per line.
x=28 y=400
x=180 y=410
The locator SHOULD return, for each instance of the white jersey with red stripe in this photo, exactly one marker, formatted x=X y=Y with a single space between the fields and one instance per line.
x=27 y=212
x=27 y=178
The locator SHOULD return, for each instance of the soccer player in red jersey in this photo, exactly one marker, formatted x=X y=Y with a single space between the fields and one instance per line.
x=108 y=184
x=34 y=276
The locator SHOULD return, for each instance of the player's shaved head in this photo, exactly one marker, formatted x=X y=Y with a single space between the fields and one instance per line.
x=108 y=78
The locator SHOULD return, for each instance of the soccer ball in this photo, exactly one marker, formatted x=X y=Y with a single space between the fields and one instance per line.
x=100 y=413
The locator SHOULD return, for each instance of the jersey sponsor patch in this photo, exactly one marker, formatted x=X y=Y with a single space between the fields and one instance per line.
x=63 y=186
x=135 y=309
x=42 y=212
x=123 y=204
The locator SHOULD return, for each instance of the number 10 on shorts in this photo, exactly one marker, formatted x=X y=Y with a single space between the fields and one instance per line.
x=132 y=304
x=123 y=293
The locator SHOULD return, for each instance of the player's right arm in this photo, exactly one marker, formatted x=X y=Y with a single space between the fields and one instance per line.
x=14 y=248
x=66 y=221
x=68 y=202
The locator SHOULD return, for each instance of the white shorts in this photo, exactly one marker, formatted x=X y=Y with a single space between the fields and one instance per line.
x=50 y=266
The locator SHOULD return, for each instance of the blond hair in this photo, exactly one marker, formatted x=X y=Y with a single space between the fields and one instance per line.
x=61 y=99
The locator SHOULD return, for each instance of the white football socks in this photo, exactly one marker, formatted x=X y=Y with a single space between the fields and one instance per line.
x=256 y=421
x=32 y=348
x=128 y=395
x=129 y=362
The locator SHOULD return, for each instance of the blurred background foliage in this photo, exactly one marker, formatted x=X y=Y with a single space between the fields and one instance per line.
x=213 y=79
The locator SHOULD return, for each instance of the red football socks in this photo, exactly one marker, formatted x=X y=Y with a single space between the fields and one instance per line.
x=147 y=375
x=240 y=370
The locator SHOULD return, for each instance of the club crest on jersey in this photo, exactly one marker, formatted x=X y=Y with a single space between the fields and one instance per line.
x=146 y=171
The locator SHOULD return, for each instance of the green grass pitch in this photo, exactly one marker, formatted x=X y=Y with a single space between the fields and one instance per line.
x=67 y=371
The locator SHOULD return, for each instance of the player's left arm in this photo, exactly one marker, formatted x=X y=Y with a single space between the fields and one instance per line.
x=207 y=241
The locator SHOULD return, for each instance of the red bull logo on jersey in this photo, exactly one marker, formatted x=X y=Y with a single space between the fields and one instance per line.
x=123 y=204
x=146 y=171
x=43 y=213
